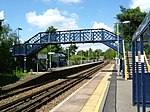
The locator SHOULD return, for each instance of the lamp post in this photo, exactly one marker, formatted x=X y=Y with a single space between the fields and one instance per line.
x=1 y=20
x=88 y=56
x=118 y=61
x=18 y=32
x=68 y=55
x=81 y=56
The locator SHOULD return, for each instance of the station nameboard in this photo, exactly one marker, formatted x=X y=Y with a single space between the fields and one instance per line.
x=42 y=56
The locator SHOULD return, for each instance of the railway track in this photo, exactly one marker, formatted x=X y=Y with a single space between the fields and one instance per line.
x=15 y=92
x=31 y=102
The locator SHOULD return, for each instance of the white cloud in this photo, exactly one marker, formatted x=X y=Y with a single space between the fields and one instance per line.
x=64 y=1
x=102 y=25
x=70 y=1
x=143 y=4
x=53 y=17
x=1 y=14
x=94 y=46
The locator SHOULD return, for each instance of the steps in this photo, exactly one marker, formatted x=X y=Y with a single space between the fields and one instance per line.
x=129 y=64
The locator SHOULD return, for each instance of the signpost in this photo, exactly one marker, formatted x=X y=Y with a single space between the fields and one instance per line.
x=42 y=56
x=50 y=53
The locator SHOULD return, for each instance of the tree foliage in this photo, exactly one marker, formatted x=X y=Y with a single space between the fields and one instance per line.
x=110 y=54
x=7 y=39
x=135 y=16
x=52 y=48
x=72 y=49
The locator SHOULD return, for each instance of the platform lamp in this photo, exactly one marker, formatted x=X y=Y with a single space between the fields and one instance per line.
x=118 y=61
x=1 y=21
x=19 y=29
x=67 y=48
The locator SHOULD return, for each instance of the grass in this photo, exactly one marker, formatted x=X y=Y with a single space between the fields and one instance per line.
x=8 y=78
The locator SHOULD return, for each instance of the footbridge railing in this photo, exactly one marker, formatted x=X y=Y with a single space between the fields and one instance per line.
x=43 y=39
x=141 y=77
x=147 y=64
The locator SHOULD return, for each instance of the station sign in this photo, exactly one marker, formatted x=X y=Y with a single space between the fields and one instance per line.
x=42 y=56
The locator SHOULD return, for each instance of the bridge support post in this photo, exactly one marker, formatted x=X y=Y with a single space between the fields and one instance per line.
x=24 y=58
x=25 y=64
x=123 y=73
x=137 y=79
x=133 y=75
x=142 y=75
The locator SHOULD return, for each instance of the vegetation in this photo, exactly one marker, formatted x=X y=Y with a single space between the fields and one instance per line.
x=135 y=16
x=7 y=39
x=10 y=67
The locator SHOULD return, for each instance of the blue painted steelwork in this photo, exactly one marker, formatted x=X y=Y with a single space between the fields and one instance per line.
x=141 y=79
x=43 y=39
x=143 y=26
x=137 y=79
x=142 y=75
x=133 y=74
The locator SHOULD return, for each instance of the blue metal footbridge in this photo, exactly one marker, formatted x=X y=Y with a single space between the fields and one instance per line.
x=139 y=60
x=42 y=39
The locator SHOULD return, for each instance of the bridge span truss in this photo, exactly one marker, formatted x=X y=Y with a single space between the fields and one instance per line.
x=42 y=39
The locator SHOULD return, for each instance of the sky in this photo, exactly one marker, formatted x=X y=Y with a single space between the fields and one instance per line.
x=35 y=16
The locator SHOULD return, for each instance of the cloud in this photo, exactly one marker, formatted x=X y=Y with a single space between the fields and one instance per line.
x=100 y=45
x=102 y=25
x=1 y=14
x=94 y=46
x=64 y=1
x=53 y=17
x=143 y=4
x=70 y=1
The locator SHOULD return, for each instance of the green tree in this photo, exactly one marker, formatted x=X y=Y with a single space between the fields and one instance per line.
x=110 y=54
x=52 y=48
x=51 y=29
x=97 y=53
x=135 y=16
x=72 y=49
x=7 y=39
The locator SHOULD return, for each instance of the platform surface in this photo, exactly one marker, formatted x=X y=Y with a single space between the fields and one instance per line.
x=86 y=98
x=106 y=92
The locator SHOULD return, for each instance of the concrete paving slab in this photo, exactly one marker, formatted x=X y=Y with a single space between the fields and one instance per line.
x=76 y=102
x=124 y=96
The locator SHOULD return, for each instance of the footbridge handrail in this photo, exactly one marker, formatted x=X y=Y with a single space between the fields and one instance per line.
x=82 y=35
x=142 y=27
x=42 y=39
x=147 y=64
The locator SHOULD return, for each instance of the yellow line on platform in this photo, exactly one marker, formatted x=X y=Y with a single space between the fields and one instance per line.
x=95 y=101
x=101 y=97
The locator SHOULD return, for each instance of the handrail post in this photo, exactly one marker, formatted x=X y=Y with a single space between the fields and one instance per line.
x=137 y=79
x=134 y=84
x=125 y=65
x=142 y=75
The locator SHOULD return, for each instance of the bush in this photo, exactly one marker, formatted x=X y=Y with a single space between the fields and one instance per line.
x=8 y=78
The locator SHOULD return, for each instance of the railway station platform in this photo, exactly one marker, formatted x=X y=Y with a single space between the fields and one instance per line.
x=106 y=92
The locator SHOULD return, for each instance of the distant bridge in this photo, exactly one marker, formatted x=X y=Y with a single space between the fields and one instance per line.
x=42 y=39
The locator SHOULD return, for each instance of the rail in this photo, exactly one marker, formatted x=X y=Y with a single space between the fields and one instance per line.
x=147 y=64
x=31 y=102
